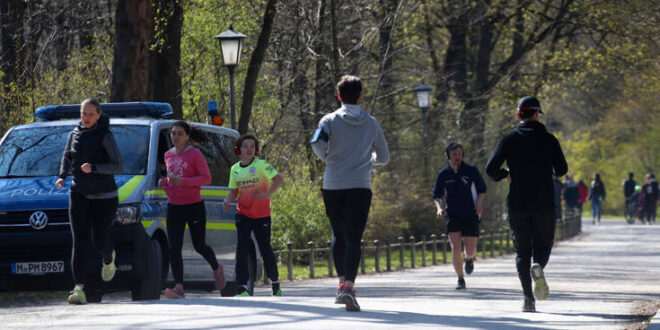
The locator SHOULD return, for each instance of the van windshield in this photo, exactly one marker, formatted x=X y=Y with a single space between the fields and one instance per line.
x=37 y=151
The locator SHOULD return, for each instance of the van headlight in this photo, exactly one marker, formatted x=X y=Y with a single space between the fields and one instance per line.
x=128 y=214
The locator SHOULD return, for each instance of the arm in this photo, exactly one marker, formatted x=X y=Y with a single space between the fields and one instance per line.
x=438 y=196
x=203 y=176
x=320 y=140
x=114 y=164
x=493 y=167
x=558 y=160
x=277 y=182
x=65 y=162
x=480 y=186
x=480 y=204
x=380 y=146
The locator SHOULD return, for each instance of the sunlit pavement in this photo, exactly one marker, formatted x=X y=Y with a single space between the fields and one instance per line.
x=595 y=281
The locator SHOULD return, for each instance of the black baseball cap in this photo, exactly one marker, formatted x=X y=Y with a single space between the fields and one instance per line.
x=529 y=102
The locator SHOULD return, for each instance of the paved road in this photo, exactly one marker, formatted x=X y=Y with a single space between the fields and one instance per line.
x=595 y=281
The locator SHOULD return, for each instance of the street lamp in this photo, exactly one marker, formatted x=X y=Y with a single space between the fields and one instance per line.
x=423 y=94
x=231 y=43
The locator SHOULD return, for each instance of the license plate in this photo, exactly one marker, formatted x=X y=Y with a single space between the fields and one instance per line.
x=41 y=267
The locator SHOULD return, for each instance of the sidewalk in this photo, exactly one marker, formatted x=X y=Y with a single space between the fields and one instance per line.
x=595 y=281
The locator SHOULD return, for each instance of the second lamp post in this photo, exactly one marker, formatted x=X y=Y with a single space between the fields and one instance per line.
x=423 y=93
x=231 y=43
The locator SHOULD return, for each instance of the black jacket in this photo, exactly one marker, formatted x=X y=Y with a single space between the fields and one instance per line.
x=533 y=156
x=97 y=146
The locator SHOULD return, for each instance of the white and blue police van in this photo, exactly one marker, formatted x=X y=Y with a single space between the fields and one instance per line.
x=35 y=234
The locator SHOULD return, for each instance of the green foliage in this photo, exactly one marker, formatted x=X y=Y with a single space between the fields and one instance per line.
x=298 y=215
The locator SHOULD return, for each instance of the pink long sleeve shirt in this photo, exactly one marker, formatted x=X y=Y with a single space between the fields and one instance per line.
x=189 y=165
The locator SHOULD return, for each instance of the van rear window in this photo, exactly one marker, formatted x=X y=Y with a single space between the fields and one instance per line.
x=36 y=151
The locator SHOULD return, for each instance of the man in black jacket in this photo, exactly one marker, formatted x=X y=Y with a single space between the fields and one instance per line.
x=533 y=156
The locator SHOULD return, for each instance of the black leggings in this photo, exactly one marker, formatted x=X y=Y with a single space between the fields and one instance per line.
x=533 y=236
x=91 y=220
x=195 y=216
x=348 y=211
x=261 y=228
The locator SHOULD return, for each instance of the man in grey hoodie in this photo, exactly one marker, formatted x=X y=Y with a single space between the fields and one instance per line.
x=350 y=142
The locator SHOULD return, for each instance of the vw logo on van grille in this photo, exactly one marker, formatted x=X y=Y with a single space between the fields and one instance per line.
x=39 y=220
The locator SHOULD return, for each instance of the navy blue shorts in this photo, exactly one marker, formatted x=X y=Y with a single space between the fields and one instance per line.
x=468 y=227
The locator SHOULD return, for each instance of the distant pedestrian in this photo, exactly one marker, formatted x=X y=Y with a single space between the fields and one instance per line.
x=597 y=195
x=628 y=191
x=346 y=141
x=459 y=194
x=558 y=188
x=187 y=172
x=570 y=194
x=253 y=181
x=583 y=192
x=649 y=198
x=533 y=157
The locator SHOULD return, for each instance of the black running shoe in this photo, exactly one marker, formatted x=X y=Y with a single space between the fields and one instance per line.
x=469 y=266
x=347 y=297
x=461 y=284
x=529 y=306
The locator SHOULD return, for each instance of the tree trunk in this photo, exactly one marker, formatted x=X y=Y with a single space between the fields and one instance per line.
x=11 y=19
x=130 y=66
x=256 y=60
x=165 y=59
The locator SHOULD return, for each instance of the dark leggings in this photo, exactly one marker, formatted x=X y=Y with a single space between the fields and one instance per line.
x=195 y=216
x=90 y=226
x=533 y=236
x=348 y=210
x=261 y=228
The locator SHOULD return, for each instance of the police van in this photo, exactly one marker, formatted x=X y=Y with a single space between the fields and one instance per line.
x=35 y=235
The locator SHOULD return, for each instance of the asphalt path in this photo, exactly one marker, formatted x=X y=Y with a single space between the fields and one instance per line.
x=596 y=281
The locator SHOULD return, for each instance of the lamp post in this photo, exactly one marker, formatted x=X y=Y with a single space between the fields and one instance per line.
x=423 y=94
x=231 y=43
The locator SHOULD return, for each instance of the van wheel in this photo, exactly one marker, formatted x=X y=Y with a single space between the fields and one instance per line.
x=148 y=288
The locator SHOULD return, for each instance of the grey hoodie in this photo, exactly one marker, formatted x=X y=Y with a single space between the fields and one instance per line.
x=353 y=137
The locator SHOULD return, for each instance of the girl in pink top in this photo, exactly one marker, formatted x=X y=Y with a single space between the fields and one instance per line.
x=187 y=171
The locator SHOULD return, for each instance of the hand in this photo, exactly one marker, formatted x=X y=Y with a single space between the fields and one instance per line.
x=227 y=205
x=86 y=168
x=480 y=211
x=174 y=180
x=59 y=183
x=440 y=213
x=162 y=182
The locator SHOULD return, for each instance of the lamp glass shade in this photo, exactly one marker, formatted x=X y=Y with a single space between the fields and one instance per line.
x=423 y=99
x=231 y=51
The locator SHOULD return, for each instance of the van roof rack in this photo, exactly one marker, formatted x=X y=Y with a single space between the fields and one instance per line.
x=156 y=110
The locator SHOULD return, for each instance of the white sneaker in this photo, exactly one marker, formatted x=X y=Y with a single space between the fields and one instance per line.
x=541 y=290
x=108 y=271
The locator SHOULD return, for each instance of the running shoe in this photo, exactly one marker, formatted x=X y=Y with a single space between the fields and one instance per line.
x=337 y=297
x=175 y=293
x=469 y=266
x=109 y=269
x=541 y=290
x=77 y=296
x=529 y=306
x=461 y=284
x=243 y=292
x=219 y=276
x=277 y=291
x=347 y=297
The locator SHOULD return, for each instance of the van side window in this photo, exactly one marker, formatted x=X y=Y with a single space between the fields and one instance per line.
x=164 y=144
x=219 y=153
